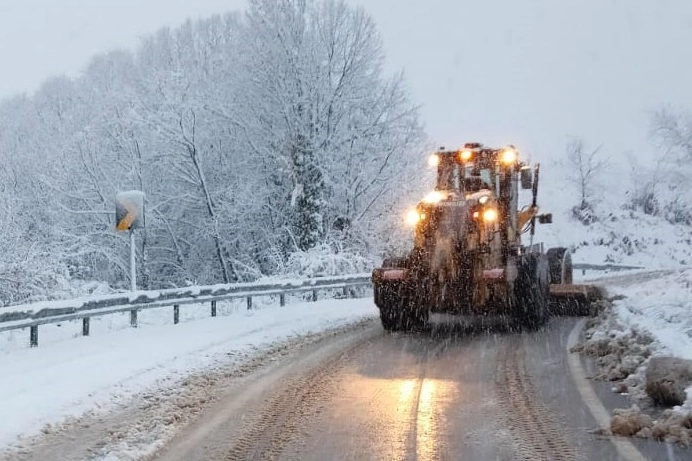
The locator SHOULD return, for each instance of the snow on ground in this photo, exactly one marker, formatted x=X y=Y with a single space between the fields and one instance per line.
x=621 y=236
x=69 y=375
x=651 y=316
x=662 y=306
x=655 y=304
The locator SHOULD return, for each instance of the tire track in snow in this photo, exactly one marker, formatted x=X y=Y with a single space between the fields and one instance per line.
x=289 y=412
x=536 y=428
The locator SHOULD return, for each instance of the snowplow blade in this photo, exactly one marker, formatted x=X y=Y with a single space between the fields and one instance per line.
x=577 y=300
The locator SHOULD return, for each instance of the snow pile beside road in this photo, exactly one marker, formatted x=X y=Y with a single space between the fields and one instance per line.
x=619 y=351
x=651 y=316
x=662 y=306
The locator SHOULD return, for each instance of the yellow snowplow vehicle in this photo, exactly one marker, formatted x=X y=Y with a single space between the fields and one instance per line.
x=468 y=257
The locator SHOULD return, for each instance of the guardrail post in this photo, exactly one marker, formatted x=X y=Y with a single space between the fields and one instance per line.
x=282 y=299
x=33 y=336
x=346 y=294
x=213 y=308
x=133 y=318
x=85 y=326
x=314 y=295
x=176 y=313
x=249 y=302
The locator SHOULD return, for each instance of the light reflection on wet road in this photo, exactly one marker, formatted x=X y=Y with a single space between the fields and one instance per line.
x=415 y=396
x=449 y=394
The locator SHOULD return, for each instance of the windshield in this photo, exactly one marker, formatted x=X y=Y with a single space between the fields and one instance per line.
x=453 y=176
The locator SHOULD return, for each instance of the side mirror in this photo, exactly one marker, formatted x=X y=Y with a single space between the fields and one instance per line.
x=526 y=177
x=546 y=218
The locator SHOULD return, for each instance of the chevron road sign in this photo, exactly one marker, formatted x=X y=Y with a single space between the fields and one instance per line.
x=129 y=210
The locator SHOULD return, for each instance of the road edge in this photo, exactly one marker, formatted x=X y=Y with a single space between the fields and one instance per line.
x=624 y=447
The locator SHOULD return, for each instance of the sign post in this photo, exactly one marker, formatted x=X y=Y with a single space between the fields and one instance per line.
x=129 y=215
x=133 y=267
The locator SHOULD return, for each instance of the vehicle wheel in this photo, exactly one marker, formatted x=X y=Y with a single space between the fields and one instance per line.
x=400 y=318
x=399 y=313
x=387 y=298
x=560 y=266
x=414 y=319
x=391 y=319
x=531 y=291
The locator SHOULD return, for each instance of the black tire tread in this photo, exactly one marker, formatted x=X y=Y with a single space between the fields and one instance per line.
x=531 y=291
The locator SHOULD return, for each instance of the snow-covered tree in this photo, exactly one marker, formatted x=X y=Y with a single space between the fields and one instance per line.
x=262 y=143
x=334 y=135
x=673 y=132
x=585 y=173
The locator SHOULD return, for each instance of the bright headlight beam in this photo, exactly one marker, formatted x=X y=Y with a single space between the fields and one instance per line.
x=508 y=156
x=434 y=160
x=490 y=215
x=412 y=217
x=465 y=155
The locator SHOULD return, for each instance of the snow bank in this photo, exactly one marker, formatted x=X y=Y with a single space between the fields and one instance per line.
x=651 y=317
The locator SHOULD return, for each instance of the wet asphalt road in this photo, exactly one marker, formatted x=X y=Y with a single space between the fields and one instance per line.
x=448 y=394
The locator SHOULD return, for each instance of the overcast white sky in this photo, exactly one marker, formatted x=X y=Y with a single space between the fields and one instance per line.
x=498 y=71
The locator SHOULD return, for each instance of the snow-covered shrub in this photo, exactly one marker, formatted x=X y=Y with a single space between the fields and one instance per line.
x=643 y=200
x=28 y=281
x=322 y=260
x=678 y=206
x=585 y=214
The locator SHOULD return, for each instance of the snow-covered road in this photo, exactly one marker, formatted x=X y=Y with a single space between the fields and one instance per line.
x=69 y=375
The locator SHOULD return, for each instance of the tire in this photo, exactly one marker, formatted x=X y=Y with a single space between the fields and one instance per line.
x=390 y=319
x=397 y=310
x=531 y=291
x=403 y=317
x=560 y=266
x=414 y=319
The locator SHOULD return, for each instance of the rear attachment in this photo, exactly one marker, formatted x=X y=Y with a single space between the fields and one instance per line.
x=575 y=300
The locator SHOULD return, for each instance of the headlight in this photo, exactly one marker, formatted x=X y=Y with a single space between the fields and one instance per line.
x=490 y=215
x=412 y=217
x=434 y=197
x=434 y=160
x=508 y=156
x=465 y=155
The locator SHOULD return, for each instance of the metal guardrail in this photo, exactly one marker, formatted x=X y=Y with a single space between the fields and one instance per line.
x=604 y=267
x=33 y=315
